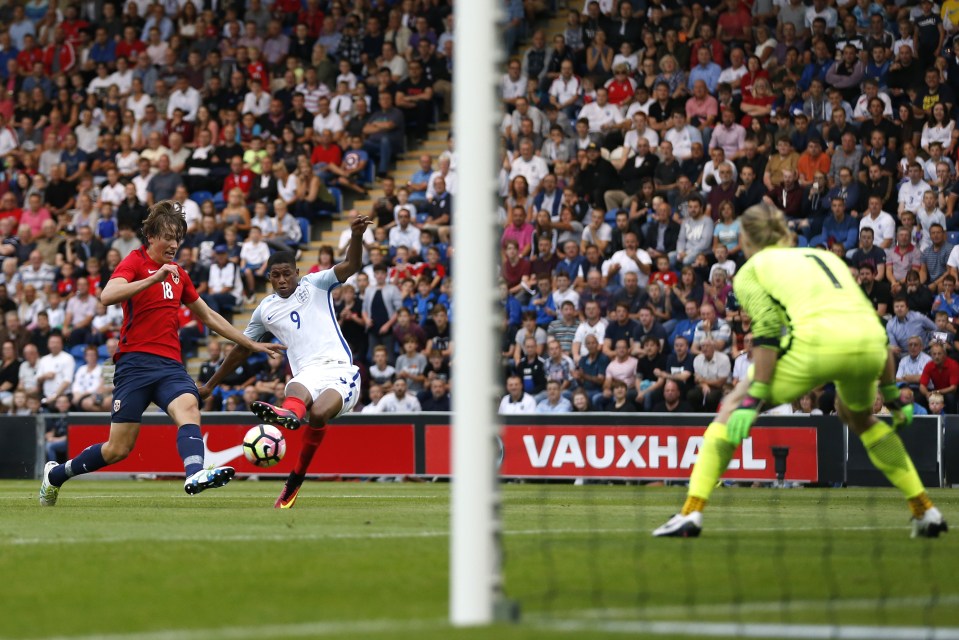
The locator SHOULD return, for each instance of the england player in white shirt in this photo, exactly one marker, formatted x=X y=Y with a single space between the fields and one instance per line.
x=325 y=382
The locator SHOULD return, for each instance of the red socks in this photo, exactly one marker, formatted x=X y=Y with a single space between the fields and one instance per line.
x=312 y=438
x=295 y=405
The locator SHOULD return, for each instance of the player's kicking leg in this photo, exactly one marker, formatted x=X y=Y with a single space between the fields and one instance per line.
x=902 y=414
x=327 y=406
x=714 y=456
x=289 y=416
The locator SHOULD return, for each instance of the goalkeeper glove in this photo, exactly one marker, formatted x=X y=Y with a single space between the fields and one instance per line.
x=743 y=417
x=901 y=413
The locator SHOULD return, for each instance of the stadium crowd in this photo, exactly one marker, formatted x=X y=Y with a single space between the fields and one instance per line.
x=635 y=138
x=632 y=139
x=257 y=116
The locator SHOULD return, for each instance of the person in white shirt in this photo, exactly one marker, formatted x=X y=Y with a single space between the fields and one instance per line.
x=732 y=74
x=629 y=259
x=376 y=398
x=55 y=370
x=225 y=289
x=253 y=257
x=87 y=378
x=513 y=83
x=404 y=234
x=123 y=76
x=186 y=98
x=528 y=165
x=347 y=234
x=566 y=90
x=911 y=191
x=639 y=128
x=682 y=136
x=516 y=400
x=8 y=140
x=326 y=118
x=399 y=400
x=257 y=101
x=87 y=132
x=326 y=383
x=594 y=325
x=882 y=224
x=113 y=191
x=602 y=116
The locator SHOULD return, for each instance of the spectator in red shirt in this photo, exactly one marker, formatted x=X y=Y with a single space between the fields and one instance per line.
x=31 y=54
x=9 y=208
x=130 y=47
x=239 y=177
x=943 y=372
x=326 y=152
x=59 y=57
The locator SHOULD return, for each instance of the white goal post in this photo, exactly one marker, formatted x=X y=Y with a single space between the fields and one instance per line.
x=474 y=553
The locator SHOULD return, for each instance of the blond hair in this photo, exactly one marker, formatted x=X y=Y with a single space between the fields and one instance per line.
x=765 y=226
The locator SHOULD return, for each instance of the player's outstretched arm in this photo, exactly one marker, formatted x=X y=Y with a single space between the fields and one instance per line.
x=218 y=323
x=354 y=254
x=120 y=289
x=238 y=355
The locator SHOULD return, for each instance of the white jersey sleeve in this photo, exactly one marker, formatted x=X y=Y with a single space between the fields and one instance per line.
x=255 y=329
x=322 y=280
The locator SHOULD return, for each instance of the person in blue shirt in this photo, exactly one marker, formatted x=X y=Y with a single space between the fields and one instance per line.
x=705 y=70
x=838 y=227
x=686 y=328
x=103 y=48
x=420 y=180
x=554 y=402
x=511 y=307
x=947 y=300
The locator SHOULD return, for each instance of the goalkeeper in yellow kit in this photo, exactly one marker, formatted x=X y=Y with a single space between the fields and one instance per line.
x=811 y=324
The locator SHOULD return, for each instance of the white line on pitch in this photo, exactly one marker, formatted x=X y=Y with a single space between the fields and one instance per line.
x=385 y=535
x=794 y=606
x=254 y=632
x=757 y=630
x=243 y=496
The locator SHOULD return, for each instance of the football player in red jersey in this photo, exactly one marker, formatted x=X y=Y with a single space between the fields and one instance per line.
x=150 y=286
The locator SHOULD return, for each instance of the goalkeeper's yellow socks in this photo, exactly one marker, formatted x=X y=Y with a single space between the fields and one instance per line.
x=920 y=504
x=712 y=461
x=888 y=454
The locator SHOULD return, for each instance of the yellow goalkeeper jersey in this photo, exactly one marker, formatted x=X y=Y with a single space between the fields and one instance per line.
x=807 y=295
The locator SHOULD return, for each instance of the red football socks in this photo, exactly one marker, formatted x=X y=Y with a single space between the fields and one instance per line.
x=312 y=437
x=295 y=405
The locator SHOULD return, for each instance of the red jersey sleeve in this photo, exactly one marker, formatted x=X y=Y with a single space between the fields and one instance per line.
x=127 y=269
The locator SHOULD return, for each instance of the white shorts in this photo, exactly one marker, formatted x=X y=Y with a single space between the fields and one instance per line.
x=343 y=378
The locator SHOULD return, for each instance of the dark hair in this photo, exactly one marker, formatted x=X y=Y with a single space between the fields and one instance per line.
x=165 y=216
x=281 y=257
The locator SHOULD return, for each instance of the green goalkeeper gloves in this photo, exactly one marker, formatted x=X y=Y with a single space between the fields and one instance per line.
x=901 y=413
x=742 y=418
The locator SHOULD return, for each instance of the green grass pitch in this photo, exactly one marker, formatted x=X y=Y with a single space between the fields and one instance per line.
x=130 y=560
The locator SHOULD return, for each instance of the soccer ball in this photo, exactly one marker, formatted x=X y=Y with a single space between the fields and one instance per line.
x=264 y=445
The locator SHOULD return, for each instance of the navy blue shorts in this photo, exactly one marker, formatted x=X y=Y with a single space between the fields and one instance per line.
x=142 y=378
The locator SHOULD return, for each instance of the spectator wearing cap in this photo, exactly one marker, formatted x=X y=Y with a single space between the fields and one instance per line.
x=597 y=176
x=812 y=161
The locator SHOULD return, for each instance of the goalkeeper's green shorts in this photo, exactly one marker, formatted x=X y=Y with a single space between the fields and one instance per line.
x=854 y=364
